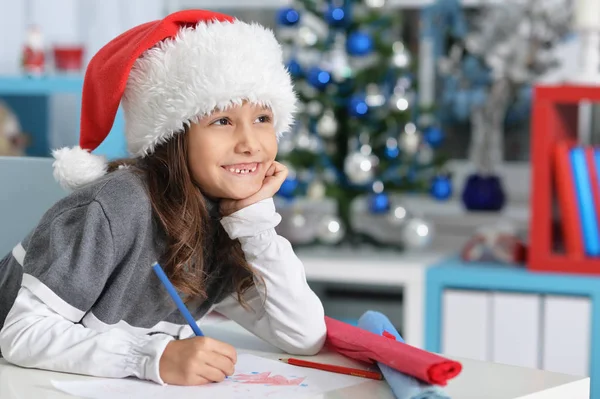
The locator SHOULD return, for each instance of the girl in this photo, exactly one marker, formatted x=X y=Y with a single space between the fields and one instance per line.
x=205 y=98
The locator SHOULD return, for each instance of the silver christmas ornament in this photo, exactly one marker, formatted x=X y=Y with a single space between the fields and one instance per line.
x=417 y=233
x=401 y=57
x=425 y=154
x=314 y=144
x=366 y=149
x=397 y=216
x=336 y=61
x=378 y=187
x=303 y=139
x=316 y=190
x=298 y=220
x=399 y=102
x=331 y=230
x=374 y=97
x=375 y=3
x=285 y=145
x=314 y=108
x=306 y=37
x=327 y=125
x=409 y=139
x=359 y=168
x=310 y=92
x=291 y=169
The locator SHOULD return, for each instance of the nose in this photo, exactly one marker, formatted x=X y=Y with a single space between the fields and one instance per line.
x=246 y=140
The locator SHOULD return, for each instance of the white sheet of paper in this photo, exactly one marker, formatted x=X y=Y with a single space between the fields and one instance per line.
x=255 y=377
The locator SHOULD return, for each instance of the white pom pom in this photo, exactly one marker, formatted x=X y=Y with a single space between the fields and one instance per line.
x=75 y=167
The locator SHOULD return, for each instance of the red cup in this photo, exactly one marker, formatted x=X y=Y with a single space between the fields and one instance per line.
x=68 y=59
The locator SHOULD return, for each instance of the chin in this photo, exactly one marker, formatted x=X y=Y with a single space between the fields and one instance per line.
x=243 y=193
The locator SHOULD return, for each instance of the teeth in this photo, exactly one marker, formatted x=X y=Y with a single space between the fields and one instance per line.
x=242 y=171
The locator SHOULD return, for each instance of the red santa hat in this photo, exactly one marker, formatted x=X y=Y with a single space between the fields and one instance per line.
x=169 y=73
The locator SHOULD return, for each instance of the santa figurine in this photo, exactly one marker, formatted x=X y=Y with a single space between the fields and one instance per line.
x=33 y=52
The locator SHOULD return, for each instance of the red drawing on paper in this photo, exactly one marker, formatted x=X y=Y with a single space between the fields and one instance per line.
x=268 y=379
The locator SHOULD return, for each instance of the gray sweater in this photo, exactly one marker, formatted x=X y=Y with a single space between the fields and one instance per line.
x=84 y=276
x=94 y=249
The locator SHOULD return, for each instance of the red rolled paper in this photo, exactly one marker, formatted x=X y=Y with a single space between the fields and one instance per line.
x=365 y=346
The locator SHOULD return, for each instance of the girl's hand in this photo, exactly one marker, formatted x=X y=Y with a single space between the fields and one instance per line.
x=274 y=177
x=196 y=361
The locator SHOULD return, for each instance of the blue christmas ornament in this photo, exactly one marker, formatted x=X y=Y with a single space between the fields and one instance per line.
x=288 y=16
x=358 y=106
x=441 y=187
x=379 y=203
x=336 y=16
x=392 y=152
x=434 y=136
x=294 y=68
x=288 y=188
x=483 y=193
x=318 y=77
x=359 y=44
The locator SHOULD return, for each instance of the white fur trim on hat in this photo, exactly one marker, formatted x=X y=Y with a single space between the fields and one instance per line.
x=75 y=167
x=211 y=66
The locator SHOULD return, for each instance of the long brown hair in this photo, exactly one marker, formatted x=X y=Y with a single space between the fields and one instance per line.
x=194 y=244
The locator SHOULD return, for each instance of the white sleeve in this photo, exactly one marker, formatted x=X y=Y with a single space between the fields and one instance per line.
x=291 y=316
x=35 y=336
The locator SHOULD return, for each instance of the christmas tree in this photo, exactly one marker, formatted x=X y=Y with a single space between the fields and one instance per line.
x=359 y=133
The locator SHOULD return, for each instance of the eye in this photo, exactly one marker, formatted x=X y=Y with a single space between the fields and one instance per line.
x=221 y=122
x=264 y=119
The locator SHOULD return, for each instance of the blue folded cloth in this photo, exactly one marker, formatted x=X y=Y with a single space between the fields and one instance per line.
x=403 y=386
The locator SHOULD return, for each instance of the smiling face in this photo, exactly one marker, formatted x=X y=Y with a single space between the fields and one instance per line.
x=230 y=151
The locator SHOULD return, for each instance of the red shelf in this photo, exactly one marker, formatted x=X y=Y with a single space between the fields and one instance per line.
x=554 y=118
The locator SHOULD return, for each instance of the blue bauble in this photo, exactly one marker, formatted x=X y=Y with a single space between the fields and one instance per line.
x=441 y=187
x=288 y=16
x=379 y=203
x=434 y=136
x=294 y=68
x=358 y=106
x=483 y=193
x=288 y=188
x=336 y=16
x=392 y=152
x=318 y=77
x=359 y=44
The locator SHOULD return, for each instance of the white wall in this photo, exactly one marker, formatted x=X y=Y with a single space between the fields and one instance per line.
x=91 y=23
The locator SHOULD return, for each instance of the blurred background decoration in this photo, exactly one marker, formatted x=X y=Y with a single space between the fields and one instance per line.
x=13 y=140
x=360 y=137
x=487 y=71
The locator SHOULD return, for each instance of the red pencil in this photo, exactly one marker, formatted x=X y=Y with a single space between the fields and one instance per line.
x=334 y=369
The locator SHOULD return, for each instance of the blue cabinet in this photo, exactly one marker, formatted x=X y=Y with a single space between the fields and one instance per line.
x=30 y=99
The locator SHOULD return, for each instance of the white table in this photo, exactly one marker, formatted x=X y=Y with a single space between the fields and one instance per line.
x=477 y=380
x=385 y=268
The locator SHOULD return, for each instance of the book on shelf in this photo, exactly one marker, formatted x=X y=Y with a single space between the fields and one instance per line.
x=576 y=174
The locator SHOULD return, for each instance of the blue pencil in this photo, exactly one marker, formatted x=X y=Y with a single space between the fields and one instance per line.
x=180 y=305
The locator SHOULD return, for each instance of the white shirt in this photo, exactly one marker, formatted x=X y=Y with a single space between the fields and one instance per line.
x=290 y=317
